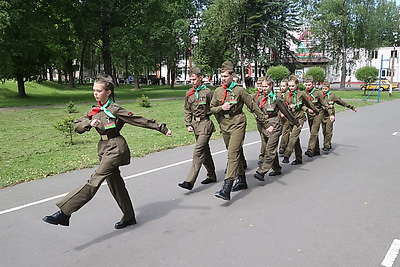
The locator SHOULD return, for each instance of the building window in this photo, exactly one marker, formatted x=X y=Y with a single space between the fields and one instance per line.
x=393 y=54
x=386 y=73
x=373 y=54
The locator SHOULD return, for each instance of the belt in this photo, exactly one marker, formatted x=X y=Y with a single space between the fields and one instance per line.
x=106 y=137
x=201 y=118
x=232 y=114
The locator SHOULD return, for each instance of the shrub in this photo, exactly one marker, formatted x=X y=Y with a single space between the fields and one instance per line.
x=71 y=107
x=66 y=126
x=317 y=73
x=367 y=74
x=278 y=73
x=144 y=101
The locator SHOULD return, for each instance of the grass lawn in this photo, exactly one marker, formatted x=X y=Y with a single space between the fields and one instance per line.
x=49 y=93
x=31 y=148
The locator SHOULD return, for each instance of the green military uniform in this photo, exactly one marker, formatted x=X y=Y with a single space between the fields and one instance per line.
x=315 y=120
x=113 y=152
x=300 y=101
x=197 y=115
x=233 y=123
x=260 y=127
x=327 y=124
x=271 y=105
x=285 y=128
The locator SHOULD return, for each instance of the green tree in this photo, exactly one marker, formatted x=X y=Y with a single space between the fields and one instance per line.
x=246 y=31
x=317 y=73
x=344 y=25
x=367 y=74
x=23 y=47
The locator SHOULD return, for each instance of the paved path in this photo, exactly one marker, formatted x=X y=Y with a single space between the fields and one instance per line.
x=340 y=209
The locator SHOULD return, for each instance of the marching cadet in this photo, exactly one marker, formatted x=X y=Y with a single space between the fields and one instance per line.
x=227 y=104
x=260 y=126
x=327 y=123
x=315 y=119
x=107 y=118
x=270 y=104
x=283 y=89
x=296 y=102
x=197 y=120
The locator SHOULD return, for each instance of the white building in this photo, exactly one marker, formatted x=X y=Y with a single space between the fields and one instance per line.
x=384 y=59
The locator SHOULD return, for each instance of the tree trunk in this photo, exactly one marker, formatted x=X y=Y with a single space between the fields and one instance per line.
x=44 y=77
x=242 y=68
x=70 y=71
x=168 y=73
x=51 y=74
x=126 y=74
x=21 y=85
x=59 y=76
x=255 y=71
x=80 y=81
x=173 y=73
x=343 y=70
x=137 y=85
x=105 y=38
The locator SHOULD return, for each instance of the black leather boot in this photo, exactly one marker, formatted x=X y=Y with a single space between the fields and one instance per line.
x=121 y=224
x=240 y=183
x=225 y=192
x=58 y=218
x=259 y=176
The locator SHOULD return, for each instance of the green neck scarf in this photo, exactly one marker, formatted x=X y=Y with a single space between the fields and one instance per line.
x=198 y=89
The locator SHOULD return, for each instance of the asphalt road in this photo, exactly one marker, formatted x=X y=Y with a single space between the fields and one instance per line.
x=340 y=209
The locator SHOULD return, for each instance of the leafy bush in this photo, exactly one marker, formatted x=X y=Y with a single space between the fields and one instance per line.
x=71 y=107
x=66 y=126
x=278 y=73
x=317 y=73
x=144 y=101
x=367 y=74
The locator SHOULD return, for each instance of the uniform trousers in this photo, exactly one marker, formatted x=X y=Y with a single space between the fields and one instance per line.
x=260 y=128
x=285 y=133
x=270 y=153
x=314 y=122
x=327 y=130
x=77 y=198
x=201 y=156
x=294 y=142
x=234 y=144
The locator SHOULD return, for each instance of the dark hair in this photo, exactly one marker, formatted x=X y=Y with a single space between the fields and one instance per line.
x=108 y=83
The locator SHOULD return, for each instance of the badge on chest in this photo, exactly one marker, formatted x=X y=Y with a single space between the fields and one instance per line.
x=110 y=124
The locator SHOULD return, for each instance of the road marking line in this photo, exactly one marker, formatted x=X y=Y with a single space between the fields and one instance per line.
x=391 y=255
x=396 y=133
x=126 y=178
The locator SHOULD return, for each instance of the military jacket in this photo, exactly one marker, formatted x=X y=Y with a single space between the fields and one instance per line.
x=272 y=108
x=197 y=112
x=282 y=94
x=316 y=97
x=301 y=102
x=113 y=147
x=333 y=99
x=234 y=118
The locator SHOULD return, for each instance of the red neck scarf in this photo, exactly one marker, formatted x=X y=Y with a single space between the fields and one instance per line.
x=231 y=86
